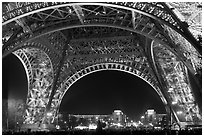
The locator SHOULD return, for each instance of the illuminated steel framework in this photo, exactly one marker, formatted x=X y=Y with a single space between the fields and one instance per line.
x=59 y=43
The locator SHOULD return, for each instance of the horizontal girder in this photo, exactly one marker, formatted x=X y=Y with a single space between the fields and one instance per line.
x=109 y=16
x=157 y=11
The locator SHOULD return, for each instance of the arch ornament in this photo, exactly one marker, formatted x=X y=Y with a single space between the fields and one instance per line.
x=40 y=77
x=61 y=91
x=140 y=17
x=59 y=25
x=175 y=75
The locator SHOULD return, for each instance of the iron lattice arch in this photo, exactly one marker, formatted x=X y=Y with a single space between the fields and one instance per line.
x=59 y=43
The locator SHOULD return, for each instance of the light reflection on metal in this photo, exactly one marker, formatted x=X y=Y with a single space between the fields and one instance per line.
x=49 y=114
x=179 y=89
x=40 y=86
x=193 y=57
x=118 y=54
x=190 y=12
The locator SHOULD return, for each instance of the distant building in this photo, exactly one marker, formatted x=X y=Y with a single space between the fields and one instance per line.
x=94 y=118
x=151 y=118
x=118 y=117
x=161 y=120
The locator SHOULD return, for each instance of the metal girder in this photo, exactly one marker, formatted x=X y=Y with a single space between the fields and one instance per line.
x=148 y=30
x=175 y=76
x=79 y=13
x=133 y=19
x=152 y=10
x=148 y=48
x=39 y=88
x=190 y=12
x=79 y=65
x=185 y=31
x=57 y=76
x=26 y=60
x=46 y=20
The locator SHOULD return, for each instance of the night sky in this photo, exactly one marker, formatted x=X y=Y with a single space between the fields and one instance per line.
x=98 y=93
x=14 y=80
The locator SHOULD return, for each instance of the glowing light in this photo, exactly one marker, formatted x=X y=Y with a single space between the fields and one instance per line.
x=118 y=112
x=57 y=127
x=81 y=127
x=117 y=124
x=150 y=124
x=49 y=114
x=135 y=124
x=174 y=102
x=92 y=126
x=150 y=111
x=179 y=112
x=170 y=89
x=142 y=117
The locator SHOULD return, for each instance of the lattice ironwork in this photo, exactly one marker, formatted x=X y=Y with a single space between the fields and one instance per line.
x=83 y=71
x=191 y=13
x=27 y=63
x=113 y=49
x=40 y=87
x=89 y=37
x=184 y=47
x=175 y=75
x=96 y=14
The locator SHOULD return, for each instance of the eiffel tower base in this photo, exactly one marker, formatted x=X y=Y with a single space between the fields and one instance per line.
x=37 y=127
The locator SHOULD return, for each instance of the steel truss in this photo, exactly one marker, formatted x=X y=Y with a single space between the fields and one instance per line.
x=175 y=75
x=40 y=80
x=62 y=42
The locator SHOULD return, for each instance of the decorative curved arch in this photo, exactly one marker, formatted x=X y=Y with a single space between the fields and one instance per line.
x=178 y=87
x=64 y=27
x=180 y=56
x=158 y=36
x=154 y=11
x=145 y=30
x=61 y=91
x=40 y=75
x=25 y=60
x=88 y=3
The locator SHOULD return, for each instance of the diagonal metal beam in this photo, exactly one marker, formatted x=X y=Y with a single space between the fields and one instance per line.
x=185 y=31
x=57 y=75
x=133 y=19
x=79 y=13
x=148 y=51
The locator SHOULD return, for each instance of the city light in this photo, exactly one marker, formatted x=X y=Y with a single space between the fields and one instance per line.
x=135 y=124
x=170 y=89
x=179 y=112
x=81 y=127
x=49 y=114
x=92 y=126
x=150 y=124
x=57 y=127
x=118 y=112
x=174 y=102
